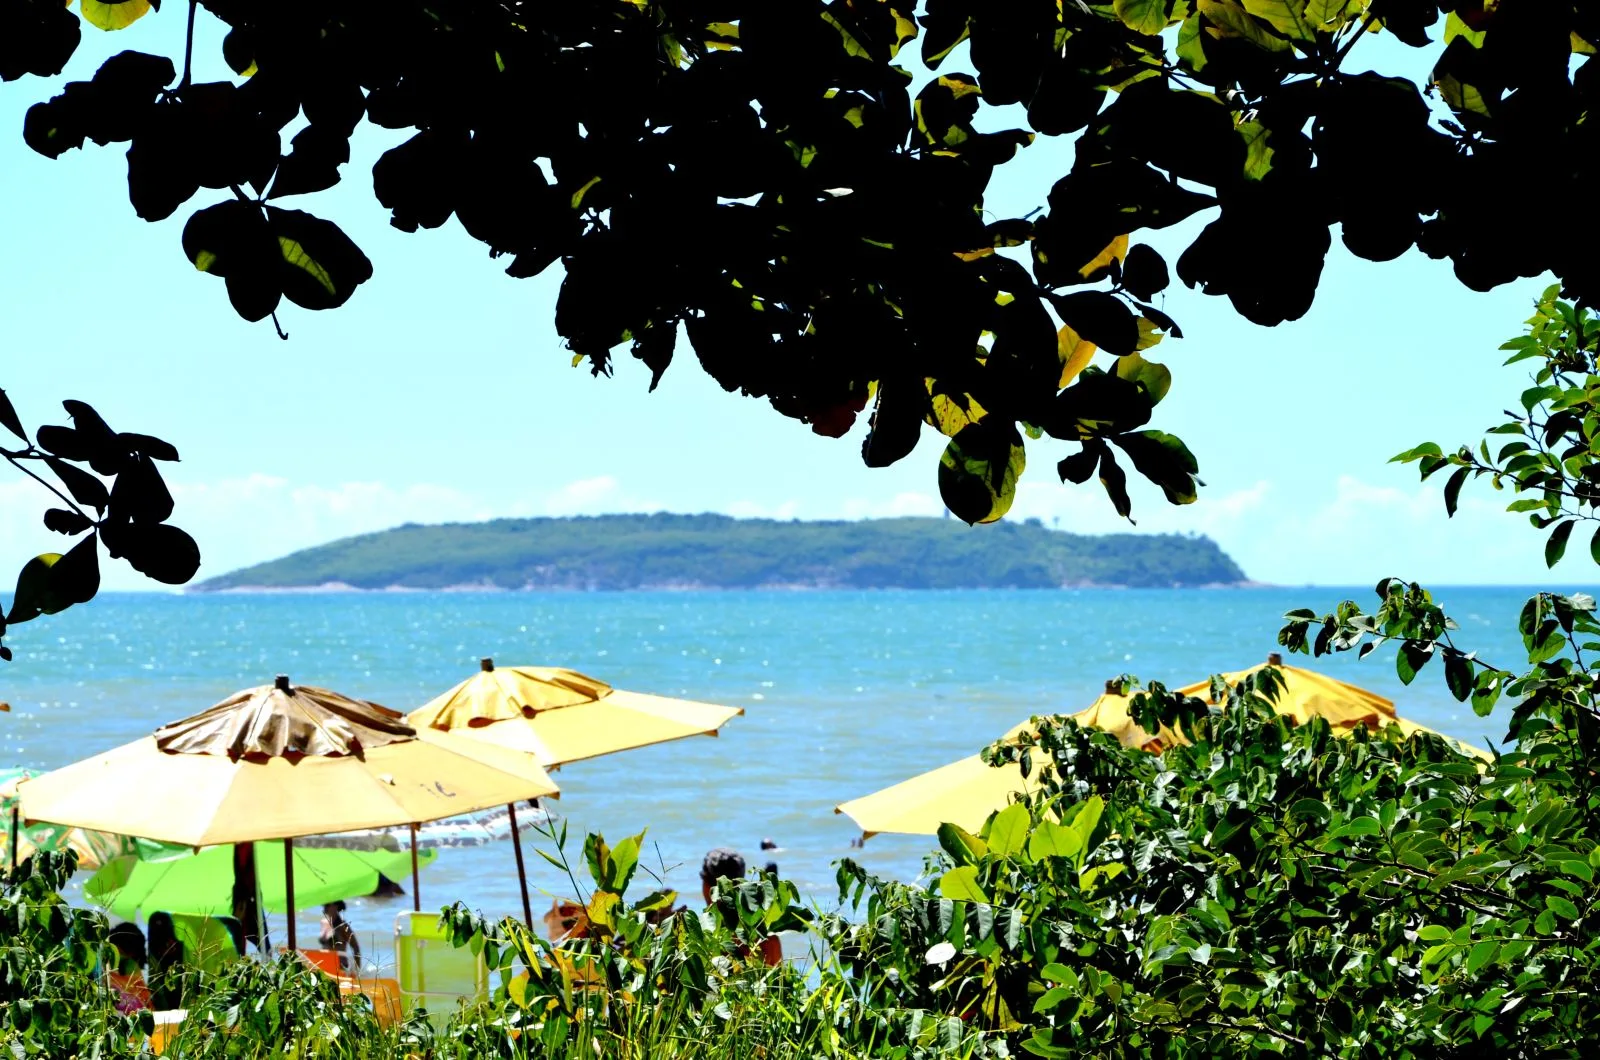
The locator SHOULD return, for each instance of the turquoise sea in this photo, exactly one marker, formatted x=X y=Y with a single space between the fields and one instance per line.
x=845 y=692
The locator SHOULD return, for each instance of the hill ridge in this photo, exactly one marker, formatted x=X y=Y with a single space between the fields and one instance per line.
x=675 y=551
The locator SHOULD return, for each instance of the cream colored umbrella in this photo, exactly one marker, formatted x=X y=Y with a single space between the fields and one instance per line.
x=560 y=716
x=276 y=762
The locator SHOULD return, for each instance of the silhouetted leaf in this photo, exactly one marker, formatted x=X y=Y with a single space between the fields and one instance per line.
x=979 y=470
x=1555 y=545
x=139 y=493
x=8 y=417
x=66 y=521
x=1144 y=273
x=157 y=550
x=319 y=266
x=1100 y=318
x=84 y=487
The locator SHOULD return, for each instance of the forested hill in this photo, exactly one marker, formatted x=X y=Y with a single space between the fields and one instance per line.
x=718 y=552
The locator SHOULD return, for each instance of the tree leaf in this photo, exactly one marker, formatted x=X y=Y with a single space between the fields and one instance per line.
x=1452 y=490
x=960 y=884
x=116 y=15
x=1147 y=17
x=1458 y=675
x=1008 y=831
x=156 y=550
x=1556 y=545
x=979 y=470
x=1075 y=353
x=84 y=487
x=66 y=521
x=9 y=420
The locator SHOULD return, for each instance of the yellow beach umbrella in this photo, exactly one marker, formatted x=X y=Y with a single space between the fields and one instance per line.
x=94 y=849
x=964 y=793
x=276 y=762
x=559 y=716
x=1307 y=694
x=562 y=716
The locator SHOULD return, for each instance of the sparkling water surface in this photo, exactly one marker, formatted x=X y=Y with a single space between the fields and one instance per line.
x=844 y=692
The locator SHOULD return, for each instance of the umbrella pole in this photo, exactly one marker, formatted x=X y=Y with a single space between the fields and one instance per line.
x=416 y=885
x=288 y=886
x=522 y=872
x=14 y=810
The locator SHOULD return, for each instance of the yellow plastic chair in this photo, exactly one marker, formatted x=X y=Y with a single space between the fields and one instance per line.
x=431 y=973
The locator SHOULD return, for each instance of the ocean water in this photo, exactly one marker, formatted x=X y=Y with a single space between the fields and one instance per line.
x=845 y=692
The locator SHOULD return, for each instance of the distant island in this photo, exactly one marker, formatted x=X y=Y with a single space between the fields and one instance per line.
x=663 y=551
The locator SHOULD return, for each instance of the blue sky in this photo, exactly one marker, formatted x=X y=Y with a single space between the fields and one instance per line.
x=441 y=391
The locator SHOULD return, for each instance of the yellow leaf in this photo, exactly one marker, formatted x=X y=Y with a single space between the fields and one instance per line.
x=114 y=16
x=204 y=260
x=974 y=255
x=1115 y=251
x=950 y=413
x=296 y=255
x=1150 y=333
x=1285 y=16
x=1075 y=354
x=577 y=196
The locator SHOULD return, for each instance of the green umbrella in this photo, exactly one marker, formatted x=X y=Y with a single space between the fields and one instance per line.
x=179 y=881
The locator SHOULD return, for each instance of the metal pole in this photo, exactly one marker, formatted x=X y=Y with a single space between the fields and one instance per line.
x=15 y=808
x=522 y=872
x=288 y=886
x=416 y=885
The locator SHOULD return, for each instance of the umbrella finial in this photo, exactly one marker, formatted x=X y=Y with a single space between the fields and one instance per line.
x=1274 y=659
x=281 y=683
x=486 y=664
x=1113 y=686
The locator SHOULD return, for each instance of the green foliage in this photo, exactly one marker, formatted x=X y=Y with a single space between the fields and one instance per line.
x=129 y=516
x=1551 y=453
x=633 y=551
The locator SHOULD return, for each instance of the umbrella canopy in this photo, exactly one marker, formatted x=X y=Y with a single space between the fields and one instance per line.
x=93 y=848
x=561 y=716
x=965 y=792
x=202 y=883
x=276 y=762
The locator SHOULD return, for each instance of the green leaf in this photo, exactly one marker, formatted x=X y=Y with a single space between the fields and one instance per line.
x=1360 y=826
x=1452 y=490
x=1191 y=44
x=1285 y=16
x=961 y=884
x=1434 y=933
x=1153 y=378
x=1313 y=808
x=1561 y=907
x=1008 y=831
x=1480 y=955
x=1416 y=453
x=1410 y=659
x=1148 y=17
x=1051 y=840
x=963 y=847
x=1231 y=20
x=1556 y=546
x=979 y=469
x=1594 y=546
x=1458 y=675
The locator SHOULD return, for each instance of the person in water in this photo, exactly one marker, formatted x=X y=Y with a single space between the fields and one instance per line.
x=337 y=935
x=725 y=864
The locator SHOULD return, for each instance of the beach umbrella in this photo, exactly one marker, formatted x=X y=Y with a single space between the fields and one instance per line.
x=277 y=762
x=94 y=849
x=965 y=792
x=561 y=716
x=181 y=880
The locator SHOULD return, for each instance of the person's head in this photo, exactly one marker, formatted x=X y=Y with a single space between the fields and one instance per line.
x=129 y=943
x=771 y=868
x=769 y=844
x=334 y=909
x=163 y=944
x=720 y=864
